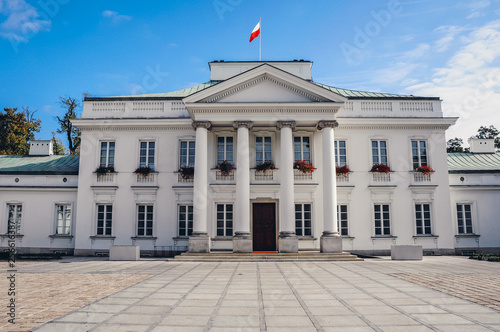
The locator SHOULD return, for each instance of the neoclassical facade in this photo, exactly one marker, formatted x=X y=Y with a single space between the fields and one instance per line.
x=262 y=159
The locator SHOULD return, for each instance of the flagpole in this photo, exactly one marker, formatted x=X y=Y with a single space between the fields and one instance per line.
x=260 y=38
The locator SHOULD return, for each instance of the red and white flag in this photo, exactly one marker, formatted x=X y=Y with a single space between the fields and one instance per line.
x=255 y=32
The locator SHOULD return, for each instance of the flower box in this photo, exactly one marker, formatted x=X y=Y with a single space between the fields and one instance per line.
x=303 y=166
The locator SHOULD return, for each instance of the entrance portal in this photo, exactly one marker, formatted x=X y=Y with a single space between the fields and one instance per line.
x=264 y=227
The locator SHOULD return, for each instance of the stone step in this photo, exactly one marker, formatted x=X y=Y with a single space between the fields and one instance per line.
x=266 y=257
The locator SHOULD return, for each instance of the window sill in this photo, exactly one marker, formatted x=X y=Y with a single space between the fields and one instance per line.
x=382 y=237
x=306 y=238
x=181 y=238
x=222 y=238
x=473 y=236
x=143 y=237
x=61 y=236
x=102 y=237
x=430 y=236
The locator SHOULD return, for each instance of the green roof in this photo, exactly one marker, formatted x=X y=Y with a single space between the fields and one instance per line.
x=474 y=162
x=40 y=165
x=353 y=94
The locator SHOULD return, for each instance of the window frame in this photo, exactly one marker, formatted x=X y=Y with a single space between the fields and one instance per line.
x=472 y=226
x=382 y=226
x=56 y=219
x=340 y=227
x=418 y=163
x=264 y=151
x=105 y=212
x=188 y=230
x=302 y=150
x=423 y=229
x=336 y=147
x=148 y=156
x=145 y=220
x=302 y=220
x=18 y=222
x=379 y=154
x=224 y=220
x=225 y=149
x=188 y=142
x=107 y=155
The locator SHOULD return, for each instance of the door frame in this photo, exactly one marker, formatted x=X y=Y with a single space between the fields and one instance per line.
x=276 y=216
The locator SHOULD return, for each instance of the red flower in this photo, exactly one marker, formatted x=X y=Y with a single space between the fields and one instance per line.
x=303 y=166
x=425 y=170
x=380 y=168
x=344 y=170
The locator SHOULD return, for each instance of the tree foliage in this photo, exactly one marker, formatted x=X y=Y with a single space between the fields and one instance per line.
x=454 y=145
x=17 y=128
x=57 y=146
x=66 y=127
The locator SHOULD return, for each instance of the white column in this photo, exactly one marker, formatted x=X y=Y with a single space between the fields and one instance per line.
x=242 y=240
x=330 y=240
x=288 y=241
x=199 y=241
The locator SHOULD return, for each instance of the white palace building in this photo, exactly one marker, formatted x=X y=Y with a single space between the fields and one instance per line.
x=225 y=166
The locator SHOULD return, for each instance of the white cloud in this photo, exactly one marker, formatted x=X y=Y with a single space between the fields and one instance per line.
x=477 y=8
x=450 y=32
x=469 y=84
x=23 y=21
x=115 y=17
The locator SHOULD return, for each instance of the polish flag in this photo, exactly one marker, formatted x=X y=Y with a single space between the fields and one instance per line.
x=255 y=32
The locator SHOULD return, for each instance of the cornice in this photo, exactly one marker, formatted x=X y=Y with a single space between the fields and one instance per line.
x=100 y=128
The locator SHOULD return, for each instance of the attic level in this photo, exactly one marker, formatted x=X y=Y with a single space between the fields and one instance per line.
x=482 y=145
x=221 y=70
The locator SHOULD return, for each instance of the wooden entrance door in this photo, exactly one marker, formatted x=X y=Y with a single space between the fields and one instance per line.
x=264 y=227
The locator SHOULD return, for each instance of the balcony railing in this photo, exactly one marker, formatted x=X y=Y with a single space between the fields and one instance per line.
x=264 y=176
x=300 y=176
x=381 y=177
x=421 y=177
x=149 y=179
x=106 y=178
x=343 y=178
x=180 y=179
x=222 y=177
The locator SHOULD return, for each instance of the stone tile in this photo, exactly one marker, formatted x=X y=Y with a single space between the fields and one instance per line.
x=335 y=311
x=133 y=319
x=461 y=328
x=406 y=328
x=291 y=329
x=65 y=327
x=147 y=309
x=349 y=329
x=121 y=328
x=422 y=309
x=163 y=328
x=492 y=318
x=383 y=309
x=340 y=321
x=104 y=308
x=198 y=303
x=231 y=329
x=204 y=311
x=84 y=317
x=391 y=320
x=186 y=320
x=441 y=319
x=290 y=311
x=288 y=321
x=236 y=321
x=238 y=311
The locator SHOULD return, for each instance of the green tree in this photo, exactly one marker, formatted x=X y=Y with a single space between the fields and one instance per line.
x=57 y=146
x=66 y=127
x=454 y=145
x=17 y=128
x=489 y=133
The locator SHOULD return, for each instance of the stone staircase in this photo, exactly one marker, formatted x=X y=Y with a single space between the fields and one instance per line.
x=265 y=257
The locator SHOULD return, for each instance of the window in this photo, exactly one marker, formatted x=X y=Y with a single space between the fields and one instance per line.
x=224 y=149
x=147 y=154
x=104 y=219
x=379 y=152
x=423 y=219
x=187 y=150
x=224 y=219
x=185 y=220
x=464 y=218
x=302 y=148
x=340 y=153
x=382 y=219
x=342 y=220
x=63 y=219
x=303 y=220
x=262 y=150
x=419 y=153
x=144 y=220
x=107 y=154
x=14 y=219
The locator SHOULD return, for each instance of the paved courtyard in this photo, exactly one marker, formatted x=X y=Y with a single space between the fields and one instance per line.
x=82 y=294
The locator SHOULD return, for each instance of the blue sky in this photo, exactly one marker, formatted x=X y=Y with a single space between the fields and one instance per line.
x=446 y=48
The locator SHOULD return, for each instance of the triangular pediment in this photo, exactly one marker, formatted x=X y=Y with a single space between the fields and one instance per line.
x=265 y=84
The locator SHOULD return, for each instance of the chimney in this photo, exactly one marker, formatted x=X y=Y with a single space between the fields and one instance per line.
x=482 y=145
x=41 y=148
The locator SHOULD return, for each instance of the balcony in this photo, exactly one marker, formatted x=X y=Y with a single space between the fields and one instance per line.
x=180 y=179
x=224 y=177
x=268 y=175
x=301 y=176
x=378 y=177
x=419 y=177
x=343 y=178
x=106 y=178
x=146 y=179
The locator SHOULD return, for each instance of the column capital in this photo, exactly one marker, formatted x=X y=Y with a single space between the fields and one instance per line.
x=245 y=124
x=327 y=124
x=202 y=124
x=286 y=124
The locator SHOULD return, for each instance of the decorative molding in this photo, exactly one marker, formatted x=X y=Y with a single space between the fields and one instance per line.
x=245 y=124
x=285 y=124
x=265 y=110
x=240 y=87
x=388 y=127
x=202 y=124
x=100 y=128
x=327 y=124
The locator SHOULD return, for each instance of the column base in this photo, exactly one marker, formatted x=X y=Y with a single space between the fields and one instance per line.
x=330 y=242
x=242 y=242
x=288 y=242
x=199 y=243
